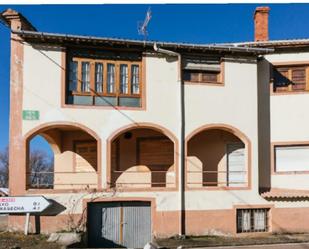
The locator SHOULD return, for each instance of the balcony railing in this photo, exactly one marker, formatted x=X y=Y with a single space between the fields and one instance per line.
x=206 y=178
x=143 y=179
x=62 y=180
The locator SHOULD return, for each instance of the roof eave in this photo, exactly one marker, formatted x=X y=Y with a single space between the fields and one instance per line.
x=60 y=38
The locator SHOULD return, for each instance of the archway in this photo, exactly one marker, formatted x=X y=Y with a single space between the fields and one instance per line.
x=217 y=156
x=76 y=158
x=142 y=156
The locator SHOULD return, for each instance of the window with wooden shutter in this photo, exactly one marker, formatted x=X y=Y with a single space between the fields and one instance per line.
x=158 y=154
x=290 y=78
x=299 y=78
x=201 y=76
x=86 y=155
x=202 y=69
x=155 y=151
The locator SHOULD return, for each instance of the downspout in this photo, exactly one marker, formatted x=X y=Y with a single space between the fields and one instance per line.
x=181 y=189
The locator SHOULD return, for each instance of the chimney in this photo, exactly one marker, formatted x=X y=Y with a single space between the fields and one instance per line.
x=16 y=21
x=261 y=23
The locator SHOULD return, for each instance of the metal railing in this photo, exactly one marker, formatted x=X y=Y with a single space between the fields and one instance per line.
x=252 y=220
x=143 y=179
x=62 y=180
x=212 y=178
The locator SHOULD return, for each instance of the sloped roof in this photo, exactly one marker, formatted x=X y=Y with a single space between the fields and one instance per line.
x=278 y=193
x=272 y=43
x=34 y=36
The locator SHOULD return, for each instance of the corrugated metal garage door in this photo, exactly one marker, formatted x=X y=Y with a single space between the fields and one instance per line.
x=119 y=224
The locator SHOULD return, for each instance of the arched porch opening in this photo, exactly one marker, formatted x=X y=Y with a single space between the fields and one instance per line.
x=75 y=158
x=143 y=157
x=217 y=157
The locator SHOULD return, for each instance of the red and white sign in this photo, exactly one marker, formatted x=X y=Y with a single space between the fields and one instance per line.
x=23 y=204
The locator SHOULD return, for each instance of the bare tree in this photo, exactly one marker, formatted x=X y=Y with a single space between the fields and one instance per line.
x=4 y=168
x=41 y=169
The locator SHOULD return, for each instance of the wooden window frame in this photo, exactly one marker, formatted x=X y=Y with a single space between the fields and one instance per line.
x=220 y=80
x=117 y=64
x=289 y=67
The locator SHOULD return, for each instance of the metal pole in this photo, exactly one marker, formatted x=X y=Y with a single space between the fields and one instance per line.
x=27 y=223
x=182 y=208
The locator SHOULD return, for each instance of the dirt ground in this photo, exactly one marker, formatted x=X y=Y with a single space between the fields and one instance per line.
x=210 y=241
x=20 y=241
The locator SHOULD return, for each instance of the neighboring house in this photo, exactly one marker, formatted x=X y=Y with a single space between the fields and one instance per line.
x=157 y=139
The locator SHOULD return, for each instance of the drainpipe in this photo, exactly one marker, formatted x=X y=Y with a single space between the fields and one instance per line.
x=181 y=191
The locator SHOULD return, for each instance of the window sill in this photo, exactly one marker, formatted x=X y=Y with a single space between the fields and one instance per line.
x=204 y=83
x=214 y=188
x=291 y=173
x=74 y=93
x=53 y=191
x=76 y=106
x=95 y=94
x=290 y=92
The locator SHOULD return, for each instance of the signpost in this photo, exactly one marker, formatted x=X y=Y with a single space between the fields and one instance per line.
x=23 y=204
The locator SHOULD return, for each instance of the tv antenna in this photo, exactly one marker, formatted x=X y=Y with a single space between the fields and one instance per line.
x=142 y=26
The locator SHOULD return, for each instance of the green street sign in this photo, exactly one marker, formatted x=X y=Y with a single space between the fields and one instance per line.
x=31 y=115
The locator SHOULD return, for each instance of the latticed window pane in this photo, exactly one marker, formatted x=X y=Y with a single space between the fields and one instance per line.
x=124 y=88
x=110 y=78
x=135 y=79
x=73 y=76
x=99 y=77
x=85 y=86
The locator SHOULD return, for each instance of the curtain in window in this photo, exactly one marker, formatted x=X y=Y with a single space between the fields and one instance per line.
x=246 y=220
x=124 y=88
x=110 y=78
x=135 y=79
x=99 y=77
x=85 y=86
x=259 y=220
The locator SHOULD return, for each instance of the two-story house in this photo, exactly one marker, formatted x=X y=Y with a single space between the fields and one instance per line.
x=154 y=139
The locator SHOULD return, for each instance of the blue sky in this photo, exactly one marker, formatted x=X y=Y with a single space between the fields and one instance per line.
x=198 y=23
